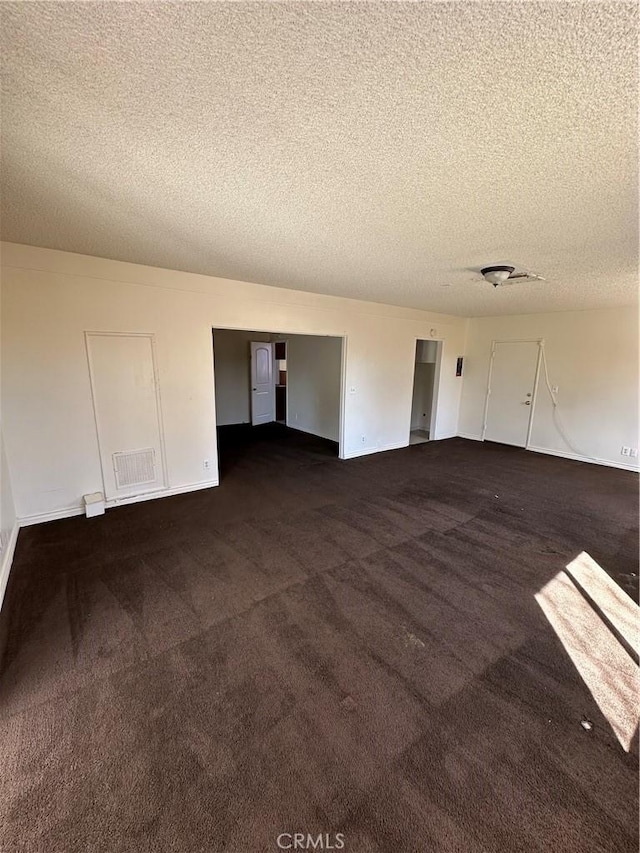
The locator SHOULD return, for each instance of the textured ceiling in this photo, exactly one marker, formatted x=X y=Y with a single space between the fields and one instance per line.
x=370 y=150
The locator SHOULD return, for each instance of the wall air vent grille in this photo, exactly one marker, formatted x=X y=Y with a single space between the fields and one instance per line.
x=134 y=467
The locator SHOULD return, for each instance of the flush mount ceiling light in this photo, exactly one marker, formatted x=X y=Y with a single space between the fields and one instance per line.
x=497 y=274
x=501 y=274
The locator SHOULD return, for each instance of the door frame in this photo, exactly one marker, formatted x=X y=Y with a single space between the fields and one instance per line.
x=437 y=370
x=281 y=333
x=124 y=499
x=494 y=343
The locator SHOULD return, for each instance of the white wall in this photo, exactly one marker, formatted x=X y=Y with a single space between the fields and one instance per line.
x=593 y=359
x=232 y=375
x=314 y=368
x=51 y=298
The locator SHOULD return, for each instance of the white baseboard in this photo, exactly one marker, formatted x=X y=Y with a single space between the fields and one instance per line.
x=164 y=493
x=7 y=560
x=578 y=458
x=547 y=451
x=54 y=515
x=69 y=512
x=367 y=451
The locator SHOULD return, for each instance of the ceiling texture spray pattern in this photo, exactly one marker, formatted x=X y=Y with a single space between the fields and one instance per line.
x=378 y=151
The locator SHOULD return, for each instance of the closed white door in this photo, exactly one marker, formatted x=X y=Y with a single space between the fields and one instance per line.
x=511 y=392
x=125 y=399
x=263 y=387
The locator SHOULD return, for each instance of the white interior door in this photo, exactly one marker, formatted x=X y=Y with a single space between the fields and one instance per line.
x=125 y=399
x=511 y=392
x=263 y=386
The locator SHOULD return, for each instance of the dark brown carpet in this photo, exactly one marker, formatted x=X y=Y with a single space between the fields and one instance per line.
x=317 y=646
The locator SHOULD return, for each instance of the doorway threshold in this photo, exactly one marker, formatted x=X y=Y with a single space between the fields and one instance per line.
x=418 y=436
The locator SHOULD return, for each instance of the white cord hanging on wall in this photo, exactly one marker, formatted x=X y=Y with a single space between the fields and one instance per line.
x=555 y=414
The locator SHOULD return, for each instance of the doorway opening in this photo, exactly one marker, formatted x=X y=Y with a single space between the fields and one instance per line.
x=423 y=407
x=277 y=393
x=280 y=348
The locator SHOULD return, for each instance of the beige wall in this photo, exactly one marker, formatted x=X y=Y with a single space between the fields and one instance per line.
x=592 y=357
x=51 y=298
x=313 y=385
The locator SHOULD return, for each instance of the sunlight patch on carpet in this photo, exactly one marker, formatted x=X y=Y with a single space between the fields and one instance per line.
x=606 y=667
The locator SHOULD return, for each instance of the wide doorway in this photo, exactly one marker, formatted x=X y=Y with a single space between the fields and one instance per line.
x=272 y=387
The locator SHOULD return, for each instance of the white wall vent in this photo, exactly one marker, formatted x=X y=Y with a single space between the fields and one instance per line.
x=134 y=467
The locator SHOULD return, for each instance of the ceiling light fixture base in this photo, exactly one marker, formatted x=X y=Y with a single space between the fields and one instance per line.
x=497 y=274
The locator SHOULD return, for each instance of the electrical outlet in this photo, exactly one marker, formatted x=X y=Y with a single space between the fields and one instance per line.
x=626 y=451
x=363 y=438
x=633 y=452
x=206 y=464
